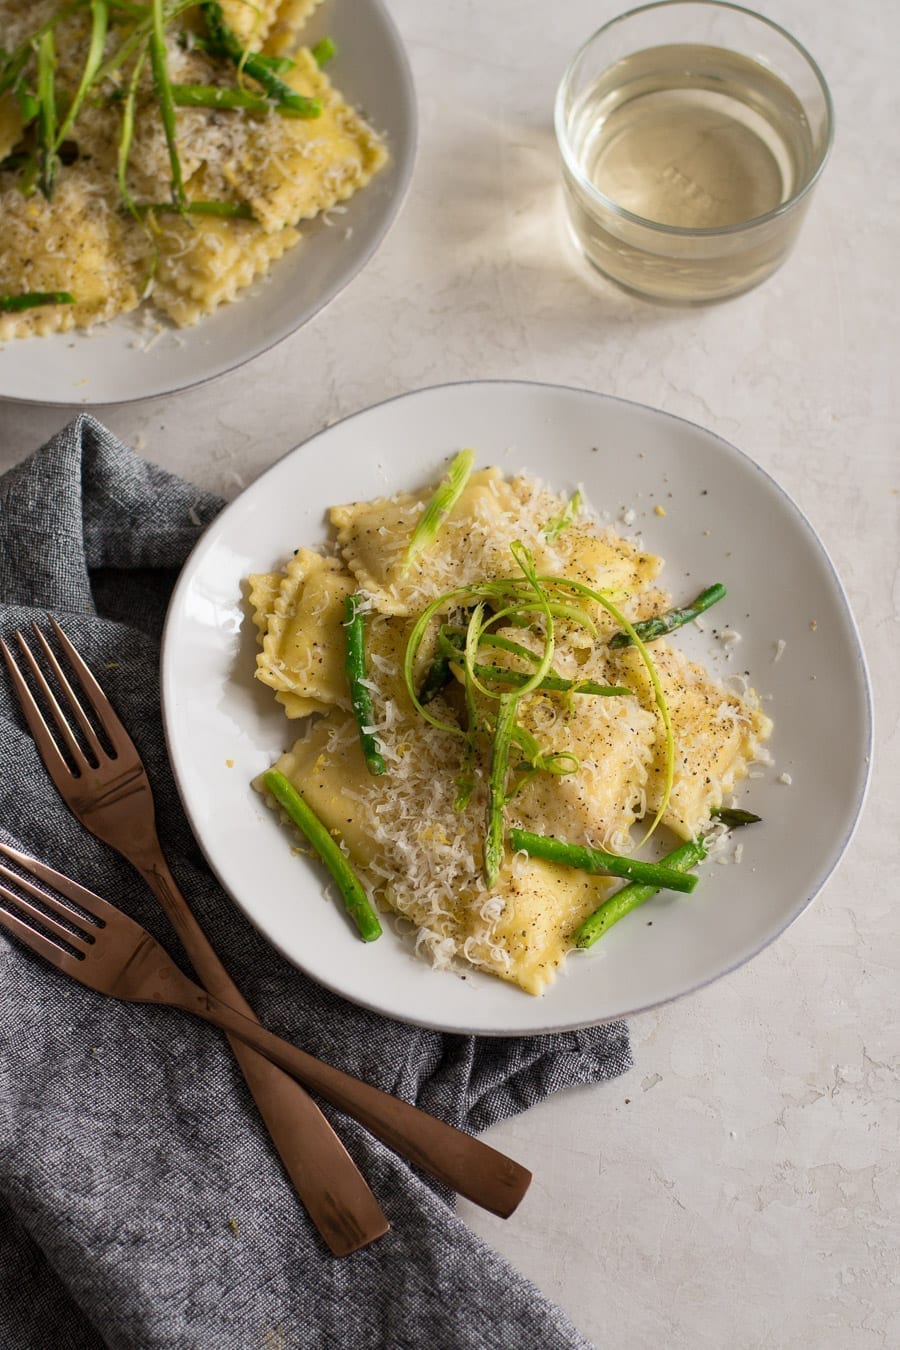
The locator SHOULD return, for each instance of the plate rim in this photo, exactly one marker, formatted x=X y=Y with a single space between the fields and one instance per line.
x=208 y=539
x=406 y=167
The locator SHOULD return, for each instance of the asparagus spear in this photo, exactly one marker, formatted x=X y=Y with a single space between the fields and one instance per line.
x=279 y=65
x=163 y=89
x=99 y=24
x=126 y=134
x=733 y=816
x=229 y=210
x=216 y=96
x=223 y=42
x=596 y=860
x=442 y=502
x=355 y=668
x=465 y=780
x=15 y=304
x=324 y=51
x=355 y=899
x=629 y=897
x=556 y=682
x=650 y=629
x=437 y=676
x=493 y=844
x=503 y=644
x=46 y=97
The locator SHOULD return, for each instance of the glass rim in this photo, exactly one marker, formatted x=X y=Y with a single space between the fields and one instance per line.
x=690 y=231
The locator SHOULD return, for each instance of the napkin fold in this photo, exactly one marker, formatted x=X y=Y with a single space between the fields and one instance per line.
x=141 y=1203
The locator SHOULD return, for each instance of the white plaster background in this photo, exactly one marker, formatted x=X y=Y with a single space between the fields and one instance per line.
x=740 y=1188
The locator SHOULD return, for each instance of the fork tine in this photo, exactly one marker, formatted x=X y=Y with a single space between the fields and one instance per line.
x=80 y=716
x=63 y=725
x=50 y=751
x=99 y=909
x=38 y=943
x=109 y=719
x=78 y=940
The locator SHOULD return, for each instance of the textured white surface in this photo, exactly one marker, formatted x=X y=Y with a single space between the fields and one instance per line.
x=741 y=1186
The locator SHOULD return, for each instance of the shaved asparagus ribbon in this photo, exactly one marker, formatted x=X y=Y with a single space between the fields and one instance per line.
x=510 y=598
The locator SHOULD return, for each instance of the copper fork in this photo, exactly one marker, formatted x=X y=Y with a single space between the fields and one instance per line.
x=110 y=794
x=88 y=938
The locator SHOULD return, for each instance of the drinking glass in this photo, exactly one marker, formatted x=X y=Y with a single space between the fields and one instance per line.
x=692 y=133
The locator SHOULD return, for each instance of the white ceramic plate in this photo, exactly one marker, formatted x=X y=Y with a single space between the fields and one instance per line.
x=116 y=363
x=725 y=520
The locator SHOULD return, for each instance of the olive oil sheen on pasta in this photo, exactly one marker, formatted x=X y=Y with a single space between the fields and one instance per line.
x=693 y=137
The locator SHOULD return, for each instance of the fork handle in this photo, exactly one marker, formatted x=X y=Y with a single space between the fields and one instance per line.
x=470 y=1167
x=324 y=1176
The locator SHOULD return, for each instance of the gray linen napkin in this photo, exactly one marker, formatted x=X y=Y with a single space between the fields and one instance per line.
x=141 y=1204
